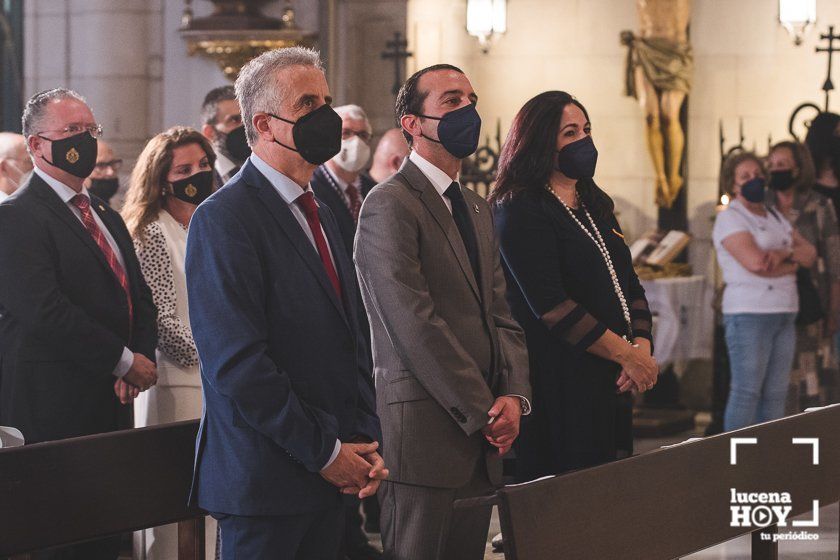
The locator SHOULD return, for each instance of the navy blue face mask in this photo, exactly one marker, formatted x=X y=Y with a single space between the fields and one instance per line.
x=458 y=131
x=577 y=160
x=753 y=190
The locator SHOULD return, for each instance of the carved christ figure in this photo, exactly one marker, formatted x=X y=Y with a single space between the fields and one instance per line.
x=659 y=65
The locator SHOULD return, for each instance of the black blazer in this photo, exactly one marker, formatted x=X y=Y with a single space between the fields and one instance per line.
x=64 y=317
x=323 y=187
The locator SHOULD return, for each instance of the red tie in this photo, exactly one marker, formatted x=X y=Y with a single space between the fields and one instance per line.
x=82 y=202
x=355 y=201
x=310 y=209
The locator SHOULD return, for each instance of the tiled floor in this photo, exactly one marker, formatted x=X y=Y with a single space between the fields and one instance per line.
x=738 y=549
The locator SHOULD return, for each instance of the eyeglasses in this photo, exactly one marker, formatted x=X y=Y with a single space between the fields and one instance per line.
x=115 y=165
x=95 y=130
x=347 y=134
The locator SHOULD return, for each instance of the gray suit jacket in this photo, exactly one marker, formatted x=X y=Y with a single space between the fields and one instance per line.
x=443 y=347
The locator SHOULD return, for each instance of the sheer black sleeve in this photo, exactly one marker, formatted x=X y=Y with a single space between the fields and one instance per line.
x=531 y=253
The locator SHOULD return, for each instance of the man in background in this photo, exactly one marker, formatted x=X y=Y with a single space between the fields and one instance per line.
x=340 y=183
x=78 y=327
x=104 y=180
x=221 y=120
x=14 y=163
x=389 y=155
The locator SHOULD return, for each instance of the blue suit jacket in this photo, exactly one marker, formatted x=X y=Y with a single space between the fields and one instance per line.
x=284 y=366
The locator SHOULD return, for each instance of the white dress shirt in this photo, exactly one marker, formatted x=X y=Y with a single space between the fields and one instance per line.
x=223 y=164
x=290 y=191
x=66 y=194
x=441 y=181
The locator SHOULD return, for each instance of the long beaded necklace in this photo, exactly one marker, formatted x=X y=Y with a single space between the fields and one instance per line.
x=605 y=254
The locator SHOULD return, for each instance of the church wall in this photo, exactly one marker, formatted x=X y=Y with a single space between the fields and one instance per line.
x=127 y=58
x=745 y=66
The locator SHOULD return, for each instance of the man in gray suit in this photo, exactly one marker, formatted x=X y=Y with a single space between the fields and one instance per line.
x=450 y=362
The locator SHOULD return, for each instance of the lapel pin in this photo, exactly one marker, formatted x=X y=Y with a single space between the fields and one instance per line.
x=475 y=207
x=102 y=208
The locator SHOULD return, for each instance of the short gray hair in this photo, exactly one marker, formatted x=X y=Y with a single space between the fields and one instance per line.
x=356 y=113
x=35 y=109
x=257 y=88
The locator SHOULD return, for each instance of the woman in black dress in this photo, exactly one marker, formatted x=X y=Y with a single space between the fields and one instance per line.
x=572 y=287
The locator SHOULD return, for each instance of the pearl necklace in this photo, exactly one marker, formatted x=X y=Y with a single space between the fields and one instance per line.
x=605 y=254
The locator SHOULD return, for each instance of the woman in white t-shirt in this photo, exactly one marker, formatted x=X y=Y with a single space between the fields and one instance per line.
x=758 y=252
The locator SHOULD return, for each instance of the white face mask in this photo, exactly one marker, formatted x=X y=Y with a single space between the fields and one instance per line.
x=353 y=156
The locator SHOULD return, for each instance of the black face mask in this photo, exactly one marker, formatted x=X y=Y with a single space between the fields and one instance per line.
x=458 y=131
x=104 y=188
x=194 y=189
x=577 y=160
x=237 y=145
x=76 y=154
x=782 y=180
x=317 y=135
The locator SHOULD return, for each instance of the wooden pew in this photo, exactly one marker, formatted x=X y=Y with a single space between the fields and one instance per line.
x=79 y=489
x=671 y=502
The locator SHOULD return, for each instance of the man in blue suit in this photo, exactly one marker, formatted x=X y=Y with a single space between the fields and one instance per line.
x=289 y=422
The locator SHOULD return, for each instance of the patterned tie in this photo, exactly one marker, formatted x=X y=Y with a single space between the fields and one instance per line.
x=355 y=201
x=82 y=202
x=310 y=210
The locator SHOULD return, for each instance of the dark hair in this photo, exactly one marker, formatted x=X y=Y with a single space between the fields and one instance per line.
x=410 y=97
x=210 y=106
x=819 y=143
x=805 y=179
x=529 y=154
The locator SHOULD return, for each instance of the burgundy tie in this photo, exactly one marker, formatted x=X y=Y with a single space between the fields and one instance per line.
x=310 y=210
x=82 y=202
x=355 y=201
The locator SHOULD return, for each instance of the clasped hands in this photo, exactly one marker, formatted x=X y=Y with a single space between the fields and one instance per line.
x=639 y=369
x=503 y=426
x=141 y=376
x=358 y=469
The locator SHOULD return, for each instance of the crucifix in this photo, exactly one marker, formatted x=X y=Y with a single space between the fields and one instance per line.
x=395 y=49
x=828 y=86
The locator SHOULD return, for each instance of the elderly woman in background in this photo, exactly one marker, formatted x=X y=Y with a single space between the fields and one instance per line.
x=759 y=253
x=173 y=175
x=814 y=380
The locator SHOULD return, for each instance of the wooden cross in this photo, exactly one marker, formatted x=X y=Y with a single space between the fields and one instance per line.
x=828 y=86
x=395 y=49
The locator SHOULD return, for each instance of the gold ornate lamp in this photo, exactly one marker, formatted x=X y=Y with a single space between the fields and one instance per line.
x=237 y=31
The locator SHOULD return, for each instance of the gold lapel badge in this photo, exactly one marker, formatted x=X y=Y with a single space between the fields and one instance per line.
x=191 y=191
x=475 y=207
x=102 y=208
x=72 y=156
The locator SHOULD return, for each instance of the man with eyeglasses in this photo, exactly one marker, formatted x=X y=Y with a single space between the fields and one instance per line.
x=104 y=180
x=14 y=163
x=221 y=120
x=77 y=322
x=340 y=183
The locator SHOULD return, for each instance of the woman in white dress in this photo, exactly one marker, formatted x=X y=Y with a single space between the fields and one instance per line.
x=173 y=175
